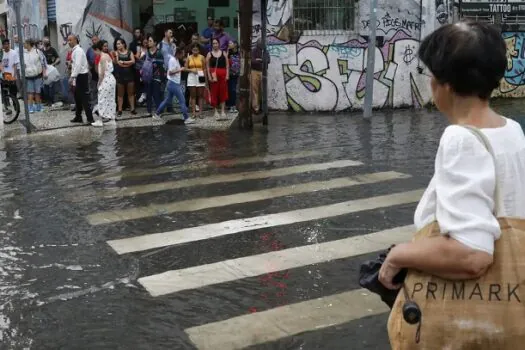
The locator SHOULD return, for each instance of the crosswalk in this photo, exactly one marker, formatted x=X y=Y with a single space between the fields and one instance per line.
x=280 y=322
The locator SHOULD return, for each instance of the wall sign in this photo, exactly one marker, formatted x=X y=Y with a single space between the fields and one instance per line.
x=490 y=8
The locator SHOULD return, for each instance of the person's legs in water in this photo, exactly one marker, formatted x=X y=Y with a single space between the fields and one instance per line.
x=169 y=97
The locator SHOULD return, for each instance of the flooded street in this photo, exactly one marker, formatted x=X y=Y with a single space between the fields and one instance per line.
x=177 y=238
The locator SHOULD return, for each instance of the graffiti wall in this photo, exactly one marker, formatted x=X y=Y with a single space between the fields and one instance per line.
x=513 y=83
x=327 y=72
x=108 y=20
x=34 y=19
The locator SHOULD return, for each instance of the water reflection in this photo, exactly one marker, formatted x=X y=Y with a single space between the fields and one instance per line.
x=42 y=177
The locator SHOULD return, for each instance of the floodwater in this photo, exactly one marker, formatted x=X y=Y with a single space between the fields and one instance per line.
x=63 y=287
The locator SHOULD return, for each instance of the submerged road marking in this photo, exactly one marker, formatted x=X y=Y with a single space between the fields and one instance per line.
x=111 y=216
x=224 y=178
x=285 y=321
x=223 y=163
x=251 y=266
x=193 y=234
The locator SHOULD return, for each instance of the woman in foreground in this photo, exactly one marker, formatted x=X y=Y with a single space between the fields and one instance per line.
x=466 y=62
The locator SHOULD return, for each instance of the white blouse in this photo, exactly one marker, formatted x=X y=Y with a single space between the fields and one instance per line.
x=460 y=194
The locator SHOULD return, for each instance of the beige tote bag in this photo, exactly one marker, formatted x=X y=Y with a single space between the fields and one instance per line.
x=487 y=313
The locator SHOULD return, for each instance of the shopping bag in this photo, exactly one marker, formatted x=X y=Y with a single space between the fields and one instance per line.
x=486 y=313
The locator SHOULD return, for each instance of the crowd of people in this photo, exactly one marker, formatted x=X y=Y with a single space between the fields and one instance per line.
x=149 y=71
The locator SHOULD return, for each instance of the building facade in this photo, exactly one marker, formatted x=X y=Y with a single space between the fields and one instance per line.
x=191 y=16
x=60 y=18
x=319 y=49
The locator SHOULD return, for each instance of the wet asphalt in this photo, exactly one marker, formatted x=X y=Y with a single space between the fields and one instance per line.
x=63 y=287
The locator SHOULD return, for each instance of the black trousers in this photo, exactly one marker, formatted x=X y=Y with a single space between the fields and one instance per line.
x=82 y=97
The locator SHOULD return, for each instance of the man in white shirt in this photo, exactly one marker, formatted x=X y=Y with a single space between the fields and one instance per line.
x=80 y=81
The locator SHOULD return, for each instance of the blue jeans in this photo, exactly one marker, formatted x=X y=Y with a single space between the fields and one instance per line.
x=232 y=91
x=153 y=94
x=174 y=90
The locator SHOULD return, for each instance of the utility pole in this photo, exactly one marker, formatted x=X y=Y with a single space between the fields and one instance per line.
x=16 y=5
x=369 y=87
x=264 y=42
x=245 y=25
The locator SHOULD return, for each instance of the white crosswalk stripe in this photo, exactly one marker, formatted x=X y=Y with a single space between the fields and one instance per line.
x=225 y=178
x=207 y=164
x=256 y=265
x=280 y=322
x=107 y=217
x=192 y=234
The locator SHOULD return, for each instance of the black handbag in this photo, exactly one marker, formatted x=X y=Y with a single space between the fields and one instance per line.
x=369 y=278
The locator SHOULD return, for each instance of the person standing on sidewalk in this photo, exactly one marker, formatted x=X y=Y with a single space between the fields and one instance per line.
x=218 y=68
x=106 y=86
x=35 y=73
x=125 y=75
x=80 y=81
x=168 y=47
x=52 y=59
x=93 y=75
x=235 y=68
x=153 y=73
x=174 y=87
x=256 y=75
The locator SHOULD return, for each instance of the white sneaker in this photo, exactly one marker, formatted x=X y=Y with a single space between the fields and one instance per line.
x=98 y=123
x=189 y=121
x=155 y=116
x=223 y=116
x=216 y=115
x=197 y=109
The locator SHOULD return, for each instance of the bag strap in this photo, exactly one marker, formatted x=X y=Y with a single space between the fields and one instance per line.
x=498 y=201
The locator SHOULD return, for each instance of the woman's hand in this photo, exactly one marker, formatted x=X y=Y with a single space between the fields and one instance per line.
x=387 y=273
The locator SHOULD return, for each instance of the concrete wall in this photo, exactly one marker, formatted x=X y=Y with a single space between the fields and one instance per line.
x=326 y=72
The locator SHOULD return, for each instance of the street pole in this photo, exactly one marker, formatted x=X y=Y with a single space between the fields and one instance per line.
x=264 y=42
x=245 y=26
x=17 y=4
x=369 y=87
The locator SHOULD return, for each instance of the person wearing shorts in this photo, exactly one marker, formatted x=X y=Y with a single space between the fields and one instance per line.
x=195 y=65
x=35 y=71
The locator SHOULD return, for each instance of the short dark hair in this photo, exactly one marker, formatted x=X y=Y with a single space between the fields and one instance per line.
x=5 y=41
x=469 y=56
x=99 y=45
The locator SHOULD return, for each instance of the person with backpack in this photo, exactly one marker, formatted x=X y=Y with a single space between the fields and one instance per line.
x=36 y=70
x=235 y=69
x=152 y=74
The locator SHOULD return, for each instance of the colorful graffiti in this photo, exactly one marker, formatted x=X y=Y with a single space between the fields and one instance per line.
x=108 y=20
x=318 y=77
x=34 y=19
x=278 y=26
x=513 y=83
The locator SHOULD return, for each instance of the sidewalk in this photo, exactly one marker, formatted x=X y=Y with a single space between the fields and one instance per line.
x=60 y=118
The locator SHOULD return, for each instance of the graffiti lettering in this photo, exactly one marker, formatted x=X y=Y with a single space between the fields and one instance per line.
x=66 y=30
x=337 y=73
x=277 y=50
x=345 y=52
x=387 y=23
